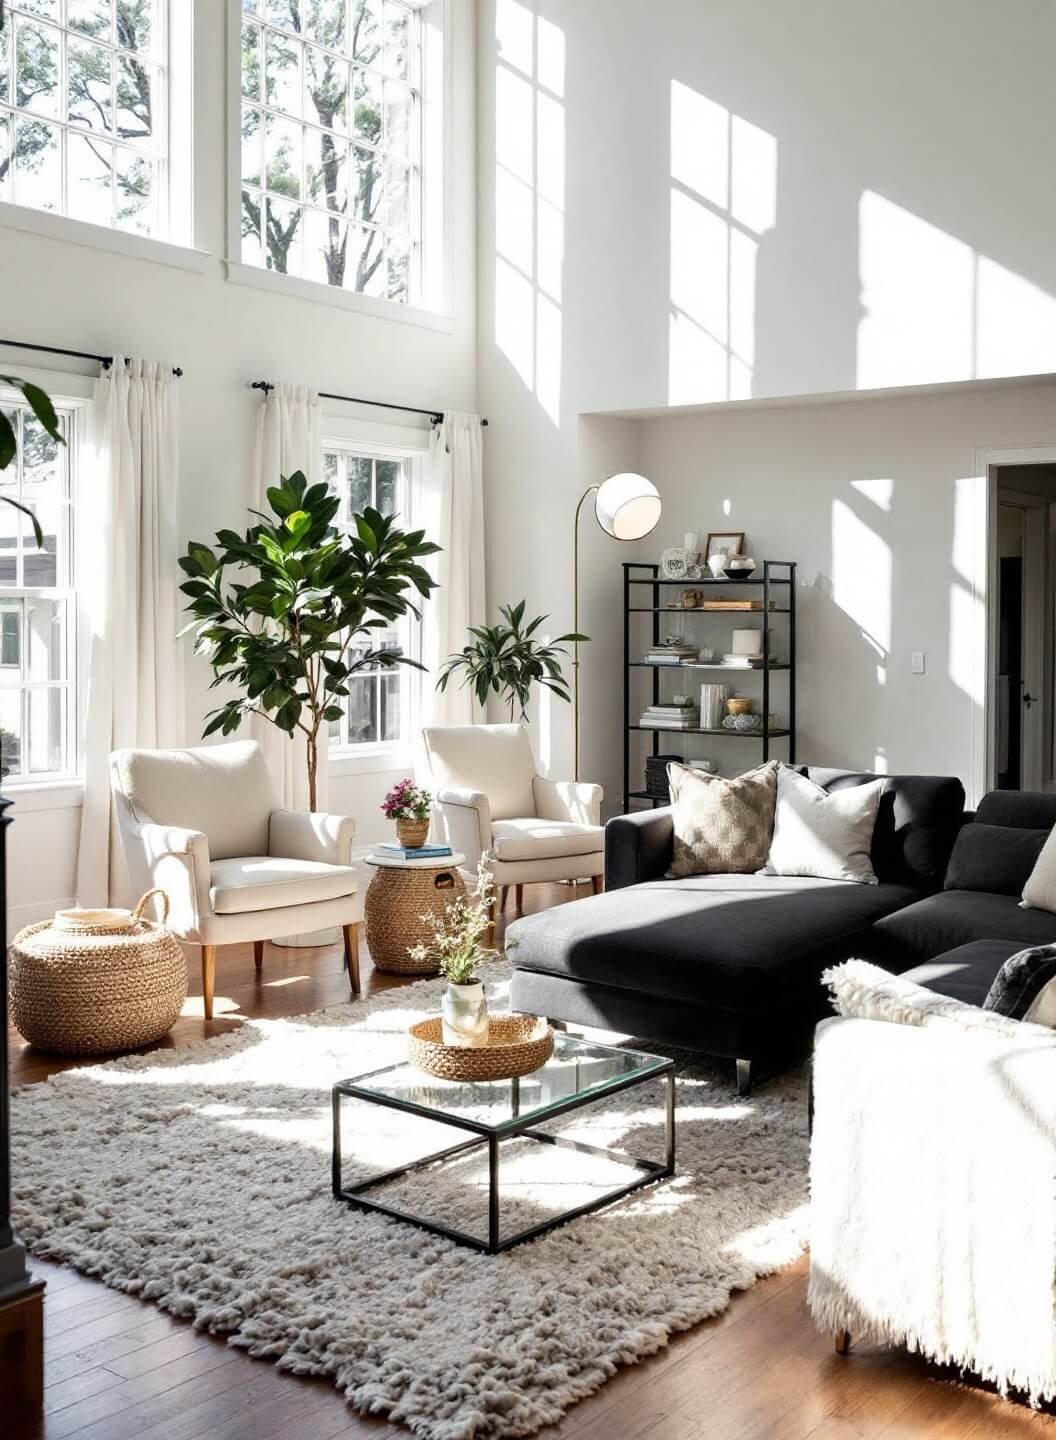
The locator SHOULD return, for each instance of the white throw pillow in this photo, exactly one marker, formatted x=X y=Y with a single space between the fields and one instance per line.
x=1039 y=893
x=821 y=833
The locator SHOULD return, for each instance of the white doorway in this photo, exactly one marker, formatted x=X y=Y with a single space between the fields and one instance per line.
x=1021 y=621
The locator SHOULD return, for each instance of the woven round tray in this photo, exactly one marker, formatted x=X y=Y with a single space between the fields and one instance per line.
x=517 y=1045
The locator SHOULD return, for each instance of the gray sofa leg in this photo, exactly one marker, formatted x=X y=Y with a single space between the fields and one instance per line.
x=744 y=1077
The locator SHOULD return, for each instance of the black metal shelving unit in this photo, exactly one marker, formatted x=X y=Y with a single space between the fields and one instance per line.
x=643 y=583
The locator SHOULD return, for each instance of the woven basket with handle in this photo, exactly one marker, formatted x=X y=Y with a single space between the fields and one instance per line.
x=90 y=982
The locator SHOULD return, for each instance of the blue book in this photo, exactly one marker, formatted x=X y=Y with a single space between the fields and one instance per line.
x=421 y=852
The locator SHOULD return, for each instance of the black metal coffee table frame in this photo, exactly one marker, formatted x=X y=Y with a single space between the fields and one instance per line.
x=492 y=1136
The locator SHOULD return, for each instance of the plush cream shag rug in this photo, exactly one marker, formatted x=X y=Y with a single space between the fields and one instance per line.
x=199 y=1179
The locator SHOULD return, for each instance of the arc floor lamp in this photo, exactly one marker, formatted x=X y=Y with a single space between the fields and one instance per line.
x=627 y=507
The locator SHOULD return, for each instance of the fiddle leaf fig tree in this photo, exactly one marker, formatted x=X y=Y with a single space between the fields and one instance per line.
x=39 y=401
x=301 y=625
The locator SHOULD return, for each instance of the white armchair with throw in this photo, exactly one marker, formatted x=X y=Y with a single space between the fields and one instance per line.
x=203 y=826
x=491 y=799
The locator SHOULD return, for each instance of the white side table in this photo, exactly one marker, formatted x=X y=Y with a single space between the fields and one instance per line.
x=400 y=893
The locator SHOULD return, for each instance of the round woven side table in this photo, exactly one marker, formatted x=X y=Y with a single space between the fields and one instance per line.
x=399 y=894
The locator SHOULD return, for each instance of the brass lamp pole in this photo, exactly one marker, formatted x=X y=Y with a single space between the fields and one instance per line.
x=627 y=507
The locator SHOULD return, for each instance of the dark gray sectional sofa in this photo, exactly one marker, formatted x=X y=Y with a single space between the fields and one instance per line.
x=730 y=964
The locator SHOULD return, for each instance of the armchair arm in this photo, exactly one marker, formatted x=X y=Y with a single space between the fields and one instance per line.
x=932 y=1159
x=466 y=816
x=638 y=847
x=307 y=835
x=176 y=861
x=577 y=801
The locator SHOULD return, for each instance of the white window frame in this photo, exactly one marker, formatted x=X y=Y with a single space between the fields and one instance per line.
x=432 y=308
x=173 y=245
x=71 y=395
x=385 y=442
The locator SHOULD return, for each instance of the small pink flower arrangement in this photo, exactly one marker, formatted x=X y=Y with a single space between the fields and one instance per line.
x=407 y=801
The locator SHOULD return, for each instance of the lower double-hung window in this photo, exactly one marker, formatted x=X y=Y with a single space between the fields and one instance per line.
x=38 y=662
x=382 y=703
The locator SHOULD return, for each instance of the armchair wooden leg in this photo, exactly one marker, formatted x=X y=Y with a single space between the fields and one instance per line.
x=491 y=923
x=843 y=1342
x=504 y=891
x=258 y=955
x=597 y=884
x=518 y=898
x=351 y=934
x=208 y=978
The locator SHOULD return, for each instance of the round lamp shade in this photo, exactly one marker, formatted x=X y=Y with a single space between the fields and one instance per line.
x=627 y=506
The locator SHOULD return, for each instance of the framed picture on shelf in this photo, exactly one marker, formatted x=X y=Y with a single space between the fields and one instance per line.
x=724 y=542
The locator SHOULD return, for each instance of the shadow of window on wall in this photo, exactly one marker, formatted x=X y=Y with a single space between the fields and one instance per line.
x=723 y=200
x=530 y=198
x=936 y=310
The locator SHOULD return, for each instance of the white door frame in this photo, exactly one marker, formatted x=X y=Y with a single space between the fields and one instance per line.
x=984 y=739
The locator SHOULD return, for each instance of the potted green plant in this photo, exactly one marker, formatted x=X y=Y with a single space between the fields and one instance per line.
x=409 y=805
x=293 y=636
x=457 y=949
x=506 y=660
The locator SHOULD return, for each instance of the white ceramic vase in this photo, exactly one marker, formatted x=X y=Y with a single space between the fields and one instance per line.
x=465 y=1015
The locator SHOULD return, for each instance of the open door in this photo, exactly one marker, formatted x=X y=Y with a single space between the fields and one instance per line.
x=1020 y=698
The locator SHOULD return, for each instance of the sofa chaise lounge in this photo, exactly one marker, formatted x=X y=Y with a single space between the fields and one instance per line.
x=728 y=964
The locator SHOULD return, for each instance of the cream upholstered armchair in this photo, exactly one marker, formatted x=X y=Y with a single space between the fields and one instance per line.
x=491 y=799
x=202 y=825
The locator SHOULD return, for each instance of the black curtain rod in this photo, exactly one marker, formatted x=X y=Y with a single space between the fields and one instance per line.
x=436 y=416
x=105 y=360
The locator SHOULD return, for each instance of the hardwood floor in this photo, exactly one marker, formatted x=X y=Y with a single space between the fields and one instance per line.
x=118 y=1369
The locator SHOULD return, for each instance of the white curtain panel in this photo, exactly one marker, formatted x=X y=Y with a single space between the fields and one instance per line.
x=130 y=602
x=453 y=516
x=288 y=439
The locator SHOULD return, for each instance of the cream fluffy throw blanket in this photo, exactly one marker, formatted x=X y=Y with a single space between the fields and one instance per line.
x=933 y=1185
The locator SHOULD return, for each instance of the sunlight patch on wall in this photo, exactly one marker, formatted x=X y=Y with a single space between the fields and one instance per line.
x=862 y=575
x=936 y=310
x=723 y=199
x=530 y=198
x=880 y=492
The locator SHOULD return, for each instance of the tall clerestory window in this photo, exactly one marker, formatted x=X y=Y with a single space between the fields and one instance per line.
x=332 y=120
x=84 y=111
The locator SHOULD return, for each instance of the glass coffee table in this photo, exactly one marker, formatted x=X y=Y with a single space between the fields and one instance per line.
x=579 y=1073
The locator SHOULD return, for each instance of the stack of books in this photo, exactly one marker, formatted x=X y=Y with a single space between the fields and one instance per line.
x=743 y=662
x=420 y=852
x=671 y=717
x=671 y=655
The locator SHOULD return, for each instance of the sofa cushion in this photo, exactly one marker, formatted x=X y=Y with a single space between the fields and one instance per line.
x=1018 y=809
x=1039 y=890
x=996 y=858
x=739 y=941
x=265 y=882
x=967 y=972
x=544 y=839
x=955 y=917
x=916 y=824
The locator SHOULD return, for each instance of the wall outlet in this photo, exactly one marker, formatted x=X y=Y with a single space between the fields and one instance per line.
x=918 y=662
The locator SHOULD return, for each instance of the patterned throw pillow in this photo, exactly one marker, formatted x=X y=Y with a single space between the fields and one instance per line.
x=1025 y=986
x=722 y=827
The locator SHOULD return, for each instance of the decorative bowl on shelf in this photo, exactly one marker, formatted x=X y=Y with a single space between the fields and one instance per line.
x=739 y=570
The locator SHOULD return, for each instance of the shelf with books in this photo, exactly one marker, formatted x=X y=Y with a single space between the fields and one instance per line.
x=639 y=700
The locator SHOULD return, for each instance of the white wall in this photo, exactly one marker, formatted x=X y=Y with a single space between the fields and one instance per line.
x=732 y=201
x=882 y=504
x=61 y=292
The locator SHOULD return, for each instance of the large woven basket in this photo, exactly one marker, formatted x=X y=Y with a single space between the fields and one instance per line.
x=517 y=1045
x=90 y=982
